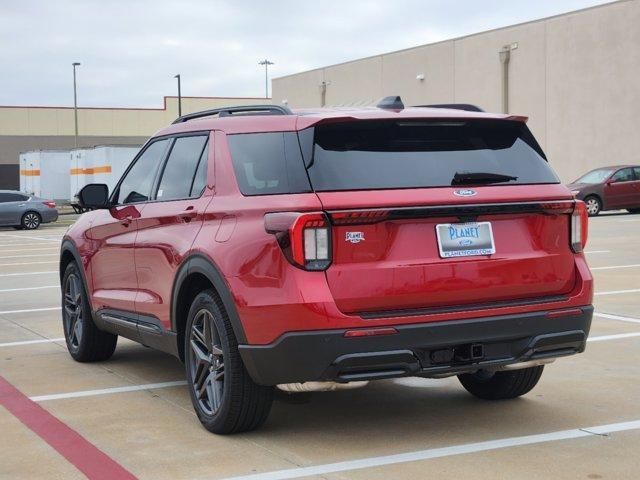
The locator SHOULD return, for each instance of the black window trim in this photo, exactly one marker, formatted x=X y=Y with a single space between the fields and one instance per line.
x=171 y=137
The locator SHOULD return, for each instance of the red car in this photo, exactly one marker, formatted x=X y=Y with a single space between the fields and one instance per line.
x=609 y=188
x=263 y=246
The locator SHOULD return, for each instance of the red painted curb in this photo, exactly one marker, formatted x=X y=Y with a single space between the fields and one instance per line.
x=81 y=453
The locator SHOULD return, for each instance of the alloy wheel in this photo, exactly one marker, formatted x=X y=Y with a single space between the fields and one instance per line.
x=593 y=206
x=206 y=362
x=73 y=311
x=31 y=221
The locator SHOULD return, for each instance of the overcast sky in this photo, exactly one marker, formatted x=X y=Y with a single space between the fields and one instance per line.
x=130 y=50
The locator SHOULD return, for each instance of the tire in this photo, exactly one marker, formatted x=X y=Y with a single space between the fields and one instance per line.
x=501 y=385
x=85 y=342
x=593 y=204
x=633 y=210
x=30 y=221
x=229 y=401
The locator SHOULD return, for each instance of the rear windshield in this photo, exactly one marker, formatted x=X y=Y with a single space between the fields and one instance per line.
x=414 y=154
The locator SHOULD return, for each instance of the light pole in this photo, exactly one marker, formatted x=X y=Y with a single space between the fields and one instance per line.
x=75 y=101
x=266 y=64
x=179 y=96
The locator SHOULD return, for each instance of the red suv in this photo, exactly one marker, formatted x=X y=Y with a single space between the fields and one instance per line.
x=263 y=246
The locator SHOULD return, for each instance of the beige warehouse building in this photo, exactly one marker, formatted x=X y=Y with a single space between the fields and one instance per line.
x=24 y=128
x=576 y=75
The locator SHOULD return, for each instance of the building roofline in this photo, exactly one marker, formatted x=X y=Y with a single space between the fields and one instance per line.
x=455 y=39
x=164 y=108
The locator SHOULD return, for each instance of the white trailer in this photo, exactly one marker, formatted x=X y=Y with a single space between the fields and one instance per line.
x=104 y=164
x=45 y=173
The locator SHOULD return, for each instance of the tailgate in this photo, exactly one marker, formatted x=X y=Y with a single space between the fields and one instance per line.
x=388 y=259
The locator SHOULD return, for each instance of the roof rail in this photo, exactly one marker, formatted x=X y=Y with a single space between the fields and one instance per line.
x=243 y=109
x=454 y=106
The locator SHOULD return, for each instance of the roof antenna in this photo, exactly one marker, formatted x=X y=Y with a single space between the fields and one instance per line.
x=393 y=102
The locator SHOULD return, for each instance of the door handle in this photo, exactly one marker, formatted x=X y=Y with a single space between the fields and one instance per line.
x=188 y=214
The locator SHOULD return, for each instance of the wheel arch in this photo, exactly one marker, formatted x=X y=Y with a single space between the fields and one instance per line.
x=198 y=272
x=69 y=253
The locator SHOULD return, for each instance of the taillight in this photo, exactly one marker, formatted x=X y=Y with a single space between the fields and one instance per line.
x=305 y=238
x=579 y=227
x=50 y=204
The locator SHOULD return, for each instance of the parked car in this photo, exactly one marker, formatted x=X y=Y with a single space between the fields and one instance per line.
x=263 y=246
x=609 y=188
x=24 y=211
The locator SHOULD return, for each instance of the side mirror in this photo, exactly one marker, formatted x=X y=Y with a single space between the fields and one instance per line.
x=94 y=196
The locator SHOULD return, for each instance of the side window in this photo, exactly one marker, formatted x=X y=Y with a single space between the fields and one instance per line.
x=178 y=175
x=624 y=175
x=637 y=172
x=268 y=163
x=138 y=181
x=12 y=197
x=200 y=179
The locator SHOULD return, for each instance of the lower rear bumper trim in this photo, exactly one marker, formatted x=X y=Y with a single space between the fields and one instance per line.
x=428 y=349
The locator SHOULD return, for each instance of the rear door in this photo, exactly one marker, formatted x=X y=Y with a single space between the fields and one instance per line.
x=114 y=231
x=392 y=188
x=620 y=190
x=169 y=224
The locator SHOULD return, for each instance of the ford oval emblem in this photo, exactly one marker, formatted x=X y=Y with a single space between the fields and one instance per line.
x=465 y=192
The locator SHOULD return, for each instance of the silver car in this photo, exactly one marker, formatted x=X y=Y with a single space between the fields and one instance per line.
x=24 y=211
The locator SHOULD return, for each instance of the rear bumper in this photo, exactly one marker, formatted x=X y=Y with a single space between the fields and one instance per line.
x=426 y=349
x=49 y=215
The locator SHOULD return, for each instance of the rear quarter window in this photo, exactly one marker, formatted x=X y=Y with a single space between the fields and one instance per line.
x=268 y=163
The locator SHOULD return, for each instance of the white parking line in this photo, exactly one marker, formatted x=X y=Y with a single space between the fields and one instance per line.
x=597 y=251
x=47 y=309
x=32 y=342
x=616 y=292
x=613 y=267
x=45 y=248
x=28 y=263
x=616 y=317
x=46 y=239
x=31 y=256
x=26 y=273
x=108 y=391
x=26 y=289
x=18 y=243
x=371 y=462
x=617 y=336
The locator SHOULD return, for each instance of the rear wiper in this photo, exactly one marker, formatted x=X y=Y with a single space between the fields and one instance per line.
x=474 y=178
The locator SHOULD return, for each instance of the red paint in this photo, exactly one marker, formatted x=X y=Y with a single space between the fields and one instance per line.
x=397 y=267
x=81 y=453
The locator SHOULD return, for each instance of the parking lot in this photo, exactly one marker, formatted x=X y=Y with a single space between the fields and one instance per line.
x=135 y=420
